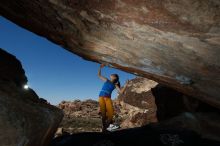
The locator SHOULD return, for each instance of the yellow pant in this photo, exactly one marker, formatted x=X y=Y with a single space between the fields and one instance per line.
x=106 y=108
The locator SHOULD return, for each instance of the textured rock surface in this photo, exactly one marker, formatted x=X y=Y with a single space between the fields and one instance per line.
x=24 y=118
x=138 y=103
x=137 y=94
x=175 y=42
x=131 y=116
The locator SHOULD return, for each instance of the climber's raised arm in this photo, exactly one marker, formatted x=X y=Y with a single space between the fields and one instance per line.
x=99 y=73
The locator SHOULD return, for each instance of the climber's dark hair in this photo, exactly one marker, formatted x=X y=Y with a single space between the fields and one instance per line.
x=116 y=81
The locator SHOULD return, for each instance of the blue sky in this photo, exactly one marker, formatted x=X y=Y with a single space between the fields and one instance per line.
x=54 y=73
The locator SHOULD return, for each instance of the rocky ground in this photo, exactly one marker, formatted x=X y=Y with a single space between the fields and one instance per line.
x=80 y=116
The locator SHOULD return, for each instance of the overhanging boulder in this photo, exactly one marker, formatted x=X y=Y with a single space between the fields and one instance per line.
x=175 y=42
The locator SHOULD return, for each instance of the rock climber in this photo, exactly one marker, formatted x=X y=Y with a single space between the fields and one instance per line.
x=105 y=102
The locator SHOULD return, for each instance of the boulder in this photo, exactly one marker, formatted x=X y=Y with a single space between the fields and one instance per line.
x=26 y=120
x=138 y=93
x=174 y=42
x=137 y=105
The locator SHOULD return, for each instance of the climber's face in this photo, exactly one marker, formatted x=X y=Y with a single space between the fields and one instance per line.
x=113 y=77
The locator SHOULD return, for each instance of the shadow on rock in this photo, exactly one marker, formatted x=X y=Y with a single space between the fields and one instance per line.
x=152 y=135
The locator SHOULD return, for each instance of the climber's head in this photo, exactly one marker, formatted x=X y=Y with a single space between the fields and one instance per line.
x=115 y=79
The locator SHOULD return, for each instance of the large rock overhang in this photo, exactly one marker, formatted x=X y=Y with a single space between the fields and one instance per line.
x=174 y=42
